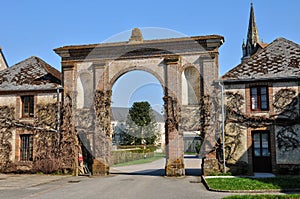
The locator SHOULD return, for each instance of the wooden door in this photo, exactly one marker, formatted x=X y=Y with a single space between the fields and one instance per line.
x=261 y=151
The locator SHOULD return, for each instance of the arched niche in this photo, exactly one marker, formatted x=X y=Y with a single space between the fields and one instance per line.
x=85 y=88
x=190 y=86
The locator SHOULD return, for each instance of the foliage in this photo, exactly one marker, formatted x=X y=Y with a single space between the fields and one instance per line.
x=102 y=129
x=47 y=149
x=54 y=151
x=155 y=157
x=150 y=147
x=141 y=126
x=254 y=183
x=219 y=174
x=6 y=132
x=198 y=147
x=140 y=113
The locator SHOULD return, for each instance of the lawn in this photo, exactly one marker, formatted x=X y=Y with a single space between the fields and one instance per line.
x=289 y=196
x=156 y=156
x=286 y=182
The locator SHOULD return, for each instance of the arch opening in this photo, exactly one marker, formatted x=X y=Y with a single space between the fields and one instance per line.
x=128 y=88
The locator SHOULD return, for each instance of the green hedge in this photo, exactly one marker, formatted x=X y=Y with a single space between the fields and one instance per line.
x=152 y=148
x=126 y=155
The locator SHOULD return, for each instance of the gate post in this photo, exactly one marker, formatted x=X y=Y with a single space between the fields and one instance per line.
x=102 y=138
x=174 y=137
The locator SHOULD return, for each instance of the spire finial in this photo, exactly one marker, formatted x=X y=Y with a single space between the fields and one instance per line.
x=252 y=36
x=136 y=36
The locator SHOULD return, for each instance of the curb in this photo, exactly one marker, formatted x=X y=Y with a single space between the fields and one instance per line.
x=203 y=180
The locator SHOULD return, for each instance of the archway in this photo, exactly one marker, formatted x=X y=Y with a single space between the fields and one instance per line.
x=128 y=145
x=164 y=58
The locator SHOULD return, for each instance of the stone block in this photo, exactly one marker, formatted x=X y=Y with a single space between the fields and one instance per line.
x=100 y=168
x=175 y=167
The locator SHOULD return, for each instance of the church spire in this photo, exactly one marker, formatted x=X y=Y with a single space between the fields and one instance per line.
x=252 y=43
x=252 y=36
x=3 y=63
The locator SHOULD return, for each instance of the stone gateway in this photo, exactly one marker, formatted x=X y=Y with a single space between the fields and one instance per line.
x=186 y=68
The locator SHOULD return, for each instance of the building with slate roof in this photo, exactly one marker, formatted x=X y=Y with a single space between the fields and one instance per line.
x=262 y=131
x=30 y=92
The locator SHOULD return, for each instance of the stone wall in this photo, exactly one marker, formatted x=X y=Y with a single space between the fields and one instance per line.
x=190 y=118
x=282 y=120
x=53 y=149
x=7 y=130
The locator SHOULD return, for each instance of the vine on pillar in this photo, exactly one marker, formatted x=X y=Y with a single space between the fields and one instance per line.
x=102 y=138
x=174 y=139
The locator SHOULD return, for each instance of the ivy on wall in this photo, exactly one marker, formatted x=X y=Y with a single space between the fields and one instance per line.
x=46 y=146
x=69 y=143
x=286 y=118
x=102 y=126
x=288 y=138
x=6 y=132
x=53 y=150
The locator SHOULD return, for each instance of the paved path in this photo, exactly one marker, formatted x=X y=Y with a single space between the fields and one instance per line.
x=192 y=167
x=139 y=181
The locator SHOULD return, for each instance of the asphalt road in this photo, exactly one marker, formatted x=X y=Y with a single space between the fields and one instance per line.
x=138 y=181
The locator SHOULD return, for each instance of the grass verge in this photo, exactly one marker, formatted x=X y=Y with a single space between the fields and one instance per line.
x=286 y=182
x=288 y=196
x=156 y=156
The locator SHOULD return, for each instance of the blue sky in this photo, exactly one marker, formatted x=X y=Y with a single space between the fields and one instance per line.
x=34 y=27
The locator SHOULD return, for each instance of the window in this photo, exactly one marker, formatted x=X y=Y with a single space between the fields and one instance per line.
x=259 y=98
x=261 y=144
x=26 y=147
x=27 y=106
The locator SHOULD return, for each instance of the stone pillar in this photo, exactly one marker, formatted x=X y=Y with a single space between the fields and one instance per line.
x=68 y=132
x=102 y=138
x=174 y=137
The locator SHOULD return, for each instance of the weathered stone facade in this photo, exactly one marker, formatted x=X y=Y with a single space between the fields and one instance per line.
x=272 y=68
x=32 y=138
x=90 y=71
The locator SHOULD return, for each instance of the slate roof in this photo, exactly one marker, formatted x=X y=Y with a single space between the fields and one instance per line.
x=30 y=74
x=120 y=114
x=280 y=59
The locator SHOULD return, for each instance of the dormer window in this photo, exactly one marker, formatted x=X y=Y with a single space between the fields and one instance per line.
x=259 y=98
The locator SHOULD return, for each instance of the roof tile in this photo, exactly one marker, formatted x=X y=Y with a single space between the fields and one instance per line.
x=31 y=74
x=278 y=59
